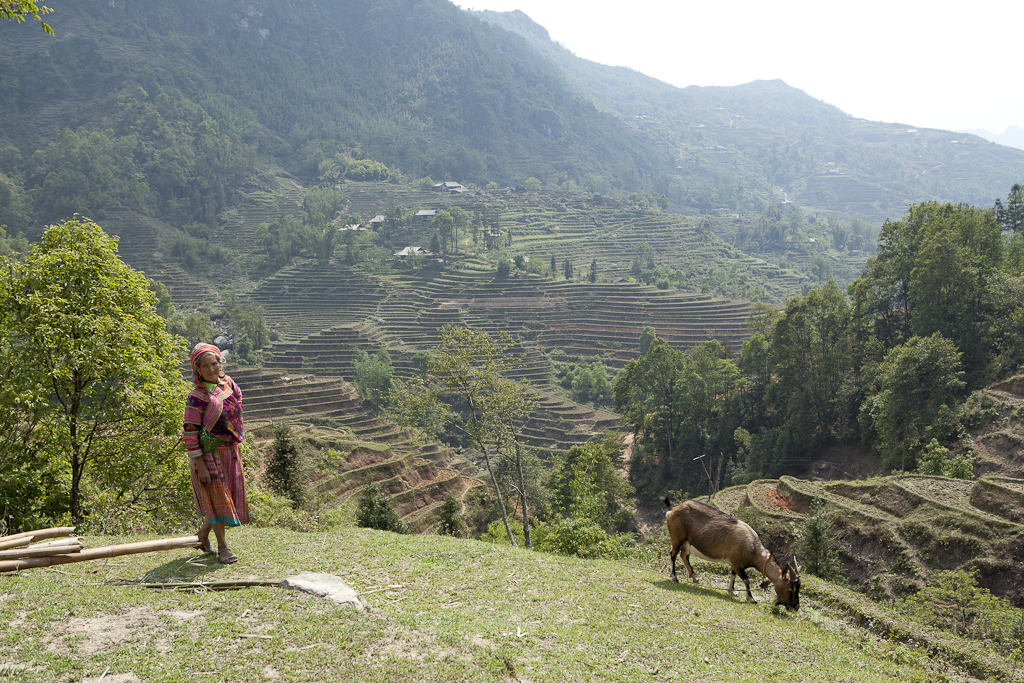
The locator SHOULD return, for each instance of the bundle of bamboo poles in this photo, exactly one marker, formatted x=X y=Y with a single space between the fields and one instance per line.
x=23 y=551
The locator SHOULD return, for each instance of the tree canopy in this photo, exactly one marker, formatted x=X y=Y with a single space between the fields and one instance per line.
x=91 y=377
x=18 y=10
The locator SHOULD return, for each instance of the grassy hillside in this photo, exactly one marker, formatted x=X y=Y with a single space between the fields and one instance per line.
x=448 y=609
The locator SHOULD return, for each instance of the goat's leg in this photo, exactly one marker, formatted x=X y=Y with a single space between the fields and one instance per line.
x=686 y=563
x=746 y=582
x=675 y=551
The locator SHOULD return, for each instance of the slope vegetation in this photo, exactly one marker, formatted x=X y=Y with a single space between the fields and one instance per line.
x=448 y=609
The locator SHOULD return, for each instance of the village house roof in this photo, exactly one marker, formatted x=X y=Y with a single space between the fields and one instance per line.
x=448 y=186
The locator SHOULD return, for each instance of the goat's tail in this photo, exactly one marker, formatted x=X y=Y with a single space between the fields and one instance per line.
x=668 y=503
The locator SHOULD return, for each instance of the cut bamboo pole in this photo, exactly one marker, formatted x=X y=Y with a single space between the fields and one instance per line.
x=103 y=552
x=72 y=540
x=208 y=585
x=40 y=534
x=15 y=542
x=32 y=551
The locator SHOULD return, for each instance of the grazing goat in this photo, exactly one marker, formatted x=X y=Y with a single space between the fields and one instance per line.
x=712 y=535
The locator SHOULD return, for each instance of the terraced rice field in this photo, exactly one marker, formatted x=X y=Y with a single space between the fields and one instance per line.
x=898 y=528
x=417 y=474
x=321 y=314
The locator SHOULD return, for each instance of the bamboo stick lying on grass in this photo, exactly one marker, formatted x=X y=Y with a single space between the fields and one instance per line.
x=208 y=585
x=15 y=542
x=72 y=540
x=103 y=552
x=45 y=551
x=40 y=534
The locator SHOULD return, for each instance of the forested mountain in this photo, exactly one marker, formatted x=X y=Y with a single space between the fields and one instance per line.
x=767 y=142
x=175 y=102
x=169 y=108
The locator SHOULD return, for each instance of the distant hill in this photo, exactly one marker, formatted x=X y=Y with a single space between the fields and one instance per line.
x=779 y=143
x=1011 y=137
x=427 y=90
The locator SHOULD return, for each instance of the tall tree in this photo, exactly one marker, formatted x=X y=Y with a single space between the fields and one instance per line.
x=444 y=223
x=460 y=219
x=84 y=349
x=1011 y=216
x=914 y=382
x=470 y=387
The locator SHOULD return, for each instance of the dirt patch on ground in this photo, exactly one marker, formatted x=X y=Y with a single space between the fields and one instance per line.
x=91 y=635
x=779 y=500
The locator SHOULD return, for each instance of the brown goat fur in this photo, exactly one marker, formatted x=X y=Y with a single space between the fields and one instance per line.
x=712 y=535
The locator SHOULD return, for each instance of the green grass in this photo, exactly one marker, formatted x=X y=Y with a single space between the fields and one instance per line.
x=441 y=609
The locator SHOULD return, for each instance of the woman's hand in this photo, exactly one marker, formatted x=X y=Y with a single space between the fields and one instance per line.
x=204 y=474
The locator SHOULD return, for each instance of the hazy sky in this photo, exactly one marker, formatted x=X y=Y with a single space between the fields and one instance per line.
x=930 y=64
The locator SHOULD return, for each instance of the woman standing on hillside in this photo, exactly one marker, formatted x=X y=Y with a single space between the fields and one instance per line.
x=213 y=435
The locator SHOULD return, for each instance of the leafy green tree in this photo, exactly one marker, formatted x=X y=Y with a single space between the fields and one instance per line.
x=250 y=321
x=811 y=355
x=444 y=223
x=377 y=510
x=953 y=600
x=504 y=267
x=283 y=472
x=17 y=10
x=593 y=271
x=281 y=240
x=647 y=336
x=96 y=375
x=532 y=183
x=198 y=329
x=451 y=522
x=931 y=274
x=321 y=204
x=916 y=382
x=684 y=406
x=818 y=546
x=14 y=214
x=460 y=219
x=373 y=375
x=567 y=269
x=646 y=394
x=585 y=483
x=164 y=305
x=1011 y=216
x=935 y=460
x=469 y=387
x=553 y=266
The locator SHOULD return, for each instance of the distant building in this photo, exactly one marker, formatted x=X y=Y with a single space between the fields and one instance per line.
x=448 y=186
x=376 y=221
x=411 y=251
x=426 y=215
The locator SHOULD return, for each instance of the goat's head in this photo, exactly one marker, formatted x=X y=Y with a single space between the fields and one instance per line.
x=787 y=588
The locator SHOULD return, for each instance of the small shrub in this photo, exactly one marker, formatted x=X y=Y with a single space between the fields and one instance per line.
x=451 y=522
x=935 y=460
x=496 y=533
x=819 y=547
x=283 y=469
x=578 y=536
x=377 y=510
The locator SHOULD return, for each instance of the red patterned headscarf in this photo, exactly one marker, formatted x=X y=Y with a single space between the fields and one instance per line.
x=194 y=357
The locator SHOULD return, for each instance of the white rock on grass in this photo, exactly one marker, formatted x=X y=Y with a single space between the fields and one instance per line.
x=325 y=586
